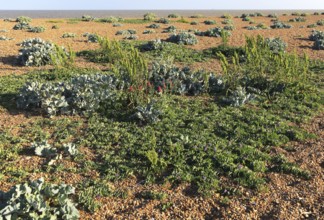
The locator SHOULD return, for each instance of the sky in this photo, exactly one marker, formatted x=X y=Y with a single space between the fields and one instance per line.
x=158 y=4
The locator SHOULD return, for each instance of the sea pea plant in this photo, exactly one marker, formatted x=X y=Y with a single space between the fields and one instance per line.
x=38 y=200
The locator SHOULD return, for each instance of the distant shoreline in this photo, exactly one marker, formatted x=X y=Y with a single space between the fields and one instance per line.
x=134 y=13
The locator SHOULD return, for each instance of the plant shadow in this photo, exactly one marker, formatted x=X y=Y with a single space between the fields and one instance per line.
x=10 y=60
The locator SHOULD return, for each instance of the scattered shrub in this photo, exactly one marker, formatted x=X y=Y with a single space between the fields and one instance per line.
x=298 y=19
x=87 y=18
x=131 y=37
x=183 y=38
x=126 y=32
x=213 y=32
x=55 y=27
x=117 y=25
x=36 y=52
x=5 y=38
x=197 y=16
x=319 y=44
x=260 y=26
x=9 y=20
x=320 y=22
x=173 y=16
x=227 y=21
x=93 y=38
x=111 y=19
x=272 y=16
x=21 y=26
x=295 y=14
x=163 y=21
x=247 y=19
x=229 y=27
x=209 y=22
x=194 y=23
x=316 y=13
x=312 y=26
x=226 y=16
x=150 y=16
x=316 y=35
x=148 y=32
x=69 y=35
x=154 y=26
x=23 y=19
x=36 y=29
x=276 y=45
x=170 y=29
x=280 y=25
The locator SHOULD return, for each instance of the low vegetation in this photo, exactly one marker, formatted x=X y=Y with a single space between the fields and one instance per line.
x=149 y=119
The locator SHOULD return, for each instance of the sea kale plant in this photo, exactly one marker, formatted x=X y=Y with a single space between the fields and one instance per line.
x=150 y=16
x=276 y=44
x=163 y=21
x=213 y=32
x=22 y=26
x=69 y=35
x=319 y=44
x=25 y=19
x=79 y=95
x=36 y=52
x=154 y=26
x=183 y=38
x=87 y=18
x=38 y=200
x=36 y=29
x=280 y=25
x=316 y=35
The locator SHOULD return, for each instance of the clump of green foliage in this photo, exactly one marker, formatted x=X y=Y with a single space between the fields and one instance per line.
x=173 y=16
x=260 y=26
x=37 y=200
x=154 y=26
x=163 y=21
x=213 y=32
x=37 y=52
x=23 y=19
x=210 y=22
x=5 y=38
x=298 y=19
x=170 y=29
x=183 y=38
x=87 y=18
x=110 y=19
x=22 y=26
x=148 y=32
x=69 y=35
x=39 y=29
x=276 y=45
x=280 y=25
x=150 y=16
x=197 y=16
x=320 y=22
